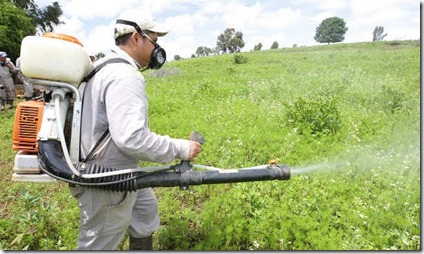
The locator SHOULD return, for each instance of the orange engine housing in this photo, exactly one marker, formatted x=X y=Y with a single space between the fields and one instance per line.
x=28 y=118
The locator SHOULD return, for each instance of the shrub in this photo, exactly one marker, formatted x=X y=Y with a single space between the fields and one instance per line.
x=240 y=59
x=317 y=115
x=393 y=99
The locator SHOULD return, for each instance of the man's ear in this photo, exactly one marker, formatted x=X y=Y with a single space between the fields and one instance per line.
x=135 y=37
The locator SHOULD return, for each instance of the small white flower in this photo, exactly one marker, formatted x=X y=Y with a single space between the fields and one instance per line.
x=256 y=244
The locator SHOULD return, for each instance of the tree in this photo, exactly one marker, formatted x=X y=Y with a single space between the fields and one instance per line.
x=230 y=41
x=177 y=58
x=14 y=26
x=49 y=17
x=331 y=30
x=215 y=51
x=257 y=47
x=378 y=34
x=45 y=18
x=275 y=45
x=203 y=51
x=20 y=18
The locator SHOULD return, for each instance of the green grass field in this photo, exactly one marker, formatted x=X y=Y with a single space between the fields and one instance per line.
x=344 y=117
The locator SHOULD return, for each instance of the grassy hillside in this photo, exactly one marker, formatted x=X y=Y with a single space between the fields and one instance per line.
x=345 y=118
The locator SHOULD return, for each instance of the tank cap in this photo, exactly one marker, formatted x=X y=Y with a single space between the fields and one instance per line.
x=64 y=37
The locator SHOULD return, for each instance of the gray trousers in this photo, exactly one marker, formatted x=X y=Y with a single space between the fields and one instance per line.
x=28 y=87
x=7 y=88
x=105 y=216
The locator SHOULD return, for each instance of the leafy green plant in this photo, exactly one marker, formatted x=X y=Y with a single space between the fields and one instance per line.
x=240 y=59
x=36 y=225
x=315 y=115
x=393 y=99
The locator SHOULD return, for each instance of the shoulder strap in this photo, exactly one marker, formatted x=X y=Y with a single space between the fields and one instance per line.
x=100 y=66
x=86 y=79
x=95 y=147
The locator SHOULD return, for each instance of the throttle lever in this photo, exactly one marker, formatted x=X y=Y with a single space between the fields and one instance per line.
x=185 y=164
x=195 y=136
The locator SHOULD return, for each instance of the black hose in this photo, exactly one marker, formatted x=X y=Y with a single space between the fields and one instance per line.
x=53 y=163
x=171 y=179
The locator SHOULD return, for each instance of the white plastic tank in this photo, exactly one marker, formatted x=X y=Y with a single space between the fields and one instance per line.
x=56 y=57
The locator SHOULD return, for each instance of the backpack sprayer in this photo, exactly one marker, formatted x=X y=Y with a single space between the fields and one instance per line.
x=47 y=132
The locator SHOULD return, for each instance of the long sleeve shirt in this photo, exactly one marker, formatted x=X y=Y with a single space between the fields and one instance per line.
x=115 y=99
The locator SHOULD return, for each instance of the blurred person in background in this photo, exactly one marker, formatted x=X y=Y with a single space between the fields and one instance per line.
x=7 y=87
x=28 y=87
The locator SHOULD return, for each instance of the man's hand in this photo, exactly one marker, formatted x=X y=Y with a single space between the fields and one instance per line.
x=195 y=149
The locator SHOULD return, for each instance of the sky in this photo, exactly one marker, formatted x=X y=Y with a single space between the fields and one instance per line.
x=195 y=23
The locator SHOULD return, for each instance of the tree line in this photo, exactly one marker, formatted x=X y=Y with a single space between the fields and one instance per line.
x=331 y=30
x=21 y=18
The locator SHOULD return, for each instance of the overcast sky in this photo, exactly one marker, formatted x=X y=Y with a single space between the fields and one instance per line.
x=197 y=23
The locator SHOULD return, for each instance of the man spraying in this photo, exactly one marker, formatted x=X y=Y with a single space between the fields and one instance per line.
x=114 y=115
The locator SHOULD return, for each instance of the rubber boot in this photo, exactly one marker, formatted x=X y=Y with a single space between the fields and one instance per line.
x=145 y=243
x=1 y=104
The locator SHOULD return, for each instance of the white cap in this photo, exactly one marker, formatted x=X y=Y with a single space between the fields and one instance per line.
x=145 y=22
